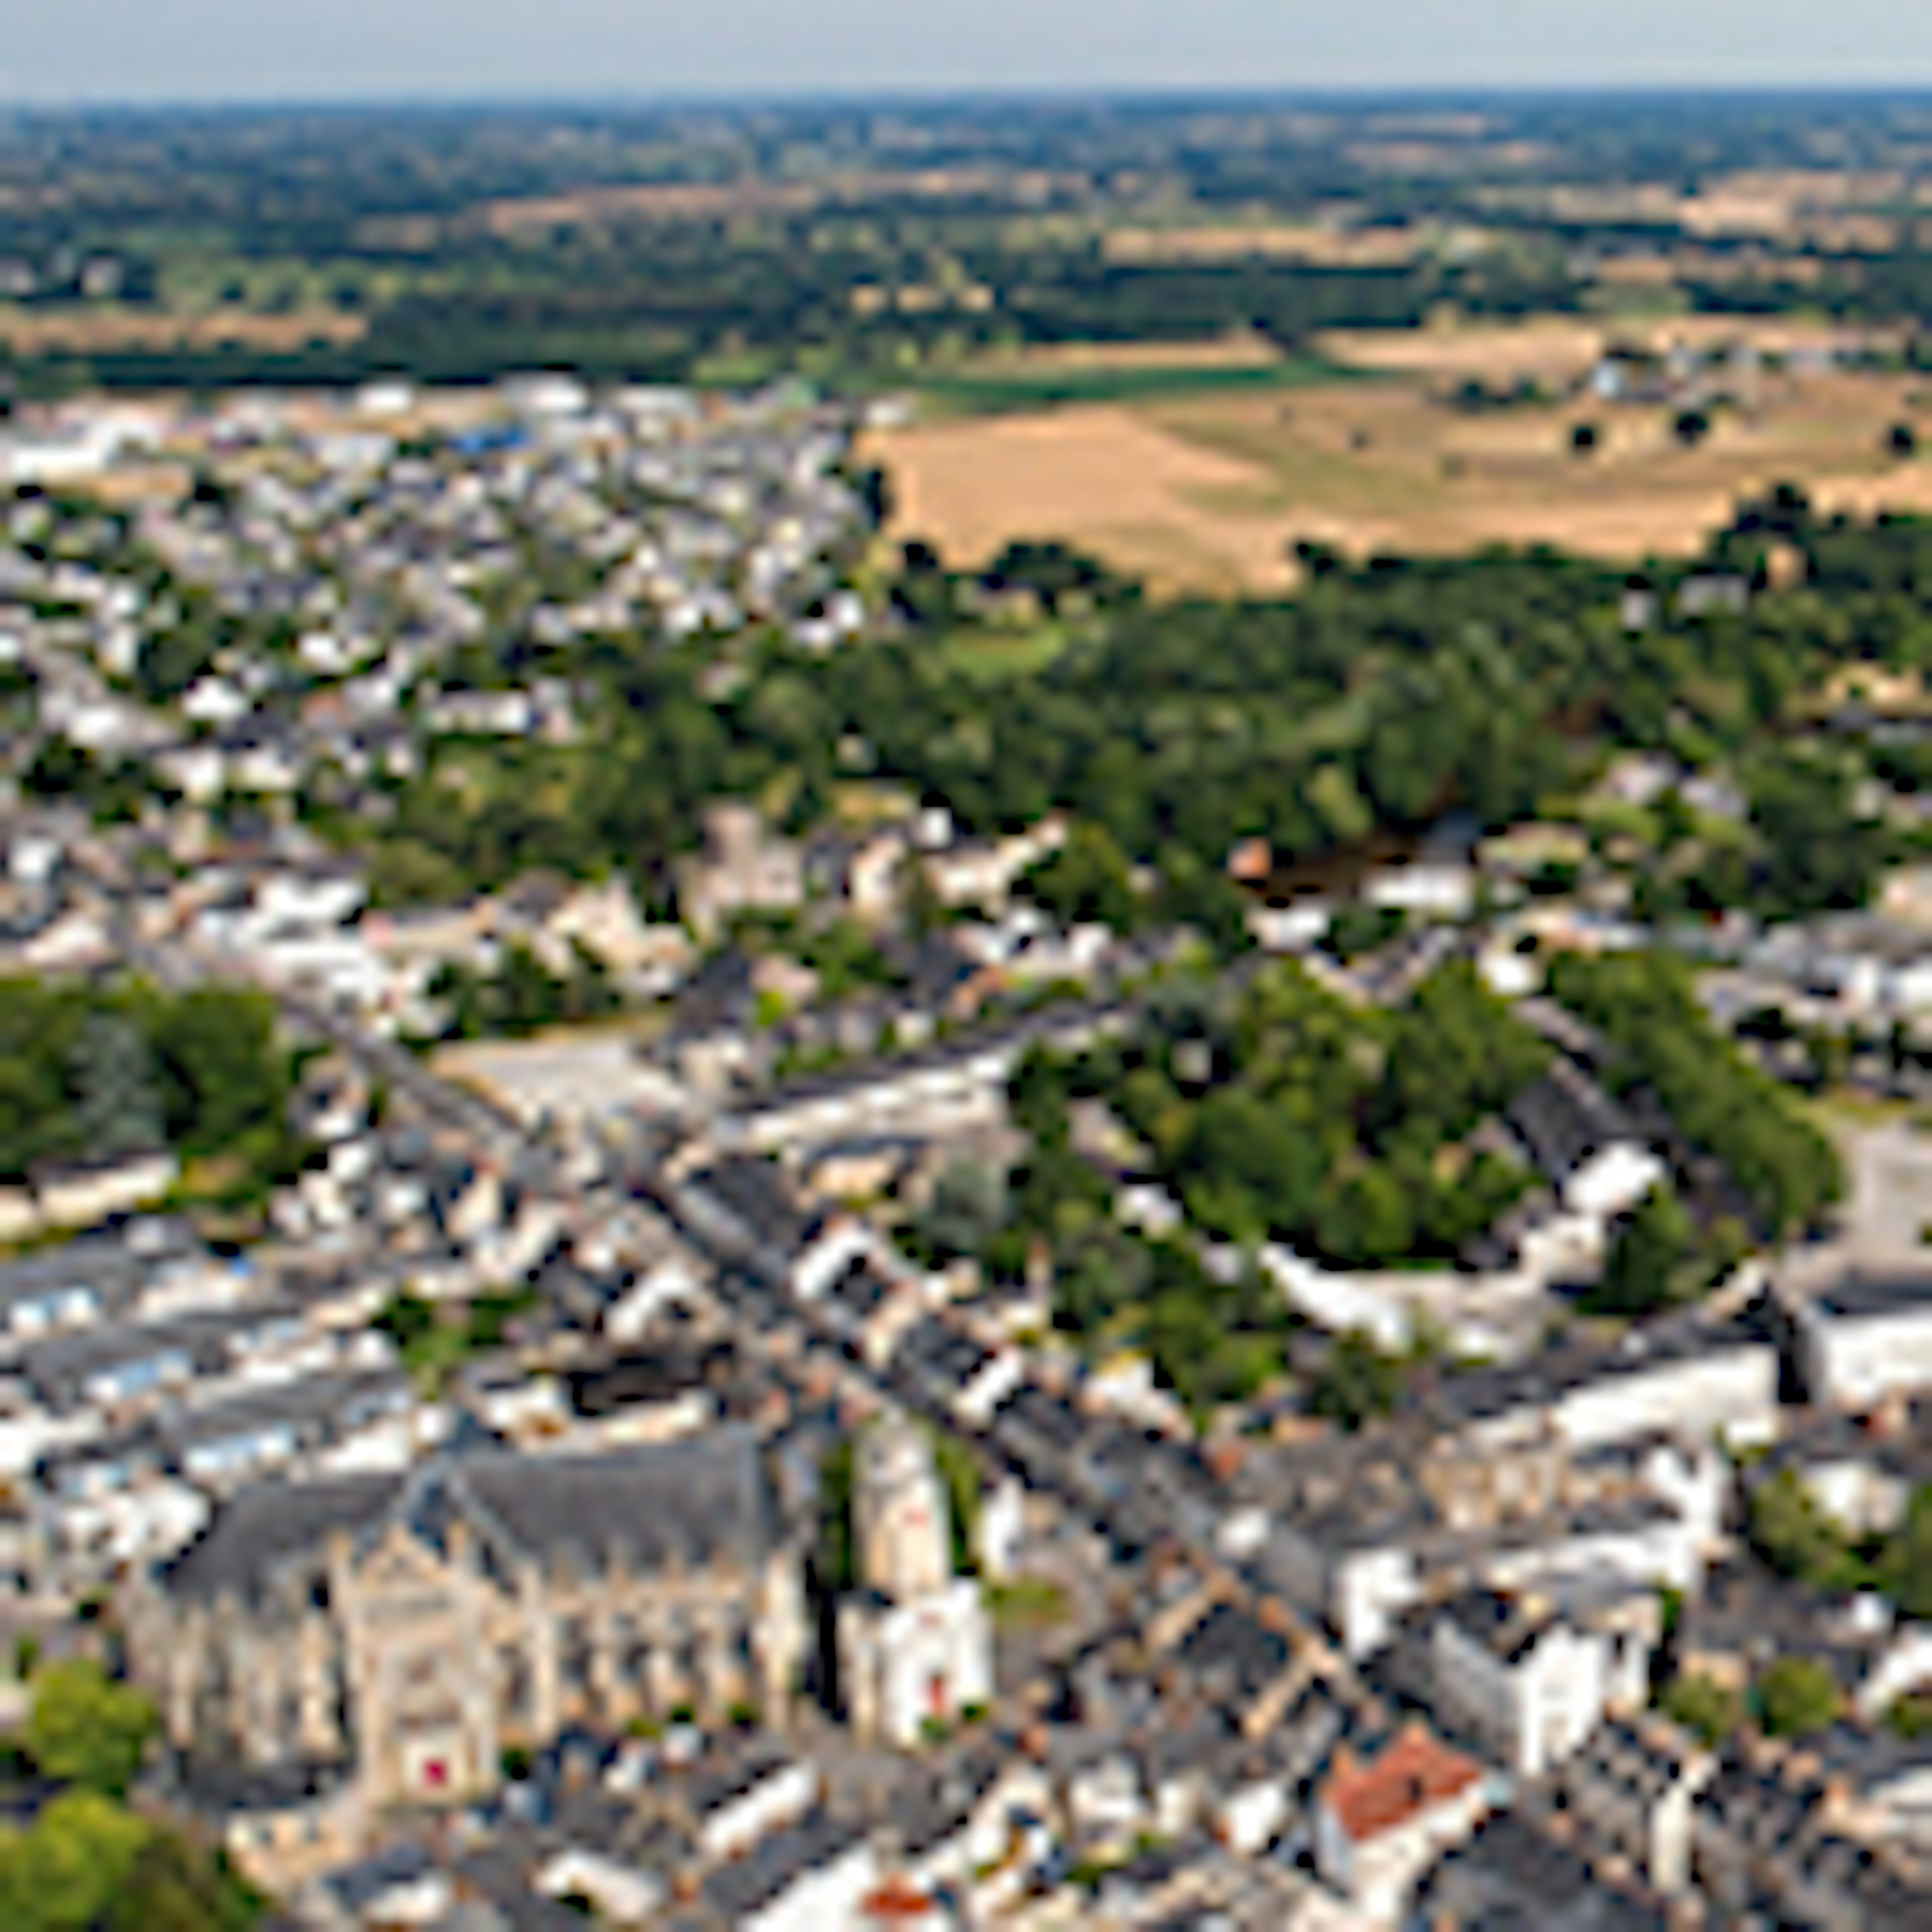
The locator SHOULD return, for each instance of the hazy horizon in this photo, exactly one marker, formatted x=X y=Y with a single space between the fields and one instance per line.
x=348 y=53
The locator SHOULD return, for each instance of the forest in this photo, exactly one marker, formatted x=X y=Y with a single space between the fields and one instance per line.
x=1379 y=699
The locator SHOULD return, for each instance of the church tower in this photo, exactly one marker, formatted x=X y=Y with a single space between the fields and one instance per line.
x=902 y=1523
x=915 y=1648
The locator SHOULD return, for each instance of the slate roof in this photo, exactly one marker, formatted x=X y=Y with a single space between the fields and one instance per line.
x=1511 y=1878
x=738 y=1890
x=1857 y=1295
x=700 y=1502
x=1566 y=1117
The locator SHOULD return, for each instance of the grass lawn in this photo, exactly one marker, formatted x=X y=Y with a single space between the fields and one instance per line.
x=1031 y=1603
x=993 y=657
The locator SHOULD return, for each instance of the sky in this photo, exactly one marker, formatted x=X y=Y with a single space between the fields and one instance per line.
x=284 y=50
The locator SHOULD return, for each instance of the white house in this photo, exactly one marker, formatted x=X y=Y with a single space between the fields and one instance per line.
x=1532 y=1684
x=1868 y=1338
x=1379 y=1825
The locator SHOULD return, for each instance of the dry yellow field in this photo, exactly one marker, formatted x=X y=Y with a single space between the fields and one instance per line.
x=1107 y=478
x=1553 y=347
x=102 y=329
x=1211 y=491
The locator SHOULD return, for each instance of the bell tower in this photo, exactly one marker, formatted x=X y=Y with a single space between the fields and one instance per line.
x=915 y=1649
x=900 y=1515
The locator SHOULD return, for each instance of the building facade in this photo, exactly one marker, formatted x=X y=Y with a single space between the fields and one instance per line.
x=915 y=1647
x=417 y=1626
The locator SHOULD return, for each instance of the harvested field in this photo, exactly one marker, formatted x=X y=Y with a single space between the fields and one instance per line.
x=1045 y=374
x=1325 y=248
x=1210 y=490
x=1549 y=348
x=1099 y=476
x=95 y=330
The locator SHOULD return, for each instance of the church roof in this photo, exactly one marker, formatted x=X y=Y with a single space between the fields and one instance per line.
x=701 y=1503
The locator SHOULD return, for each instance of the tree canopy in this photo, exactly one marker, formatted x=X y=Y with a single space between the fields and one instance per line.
x=1645 y=1005
x=88 y=1070
x=86 y=1728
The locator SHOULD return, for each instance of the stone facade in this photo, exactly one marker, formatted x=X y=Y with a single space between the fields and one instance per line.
x=914 y=1645
x=419 y=1627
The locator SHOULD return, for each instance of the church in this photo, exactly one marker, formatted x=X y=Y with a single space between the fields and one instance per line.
x=915 y=1647
x=412 y=1627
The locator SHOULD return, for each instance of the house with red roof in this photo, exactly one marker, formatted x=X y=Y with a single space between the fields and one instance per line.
x=1380 y=1823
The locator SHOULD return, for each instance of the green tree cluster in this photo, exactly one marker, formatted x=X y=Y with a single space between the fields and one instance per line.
x=1645 y=1005
x=1796 y=1695
x=86 y=1728
x=1357 y=1384
x=1704 y=1708
x=1792 y=1534
x=1335 y=1128
x=84 y=1863
x=435 y=1341
x=86 y=1069
x=1378 y=698
x=1658 y=1260
x=521 y=995
x=87 y=1864
x=1273 y=1110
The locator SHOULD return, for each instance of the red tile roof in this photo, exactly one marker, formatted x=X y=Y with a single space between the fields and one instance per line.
x=1415 y=1773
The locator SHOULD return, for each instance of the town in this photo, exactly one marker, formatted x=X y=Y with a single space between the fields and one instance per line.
x=882 y=1363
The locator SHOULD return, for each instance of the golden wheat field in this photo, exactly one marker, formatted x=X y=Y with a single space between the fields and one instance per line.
x=1211 y=491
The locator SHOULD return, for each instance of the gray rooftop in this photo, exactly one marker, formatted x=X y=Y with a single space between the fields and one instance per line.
x=700 y=1502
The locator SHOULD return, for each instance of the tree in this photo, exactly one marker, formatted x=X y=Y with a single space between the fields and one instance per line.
x=1583 y=439
x=1792 y=1534
x=953 y=1461
x=1646 y=1005
x=837 y=1558
x=1796 y=1695
x=86 y=1728
x=1357 y=1384
x=1653 y=1261
x=1901 y=440
x=1050 y=570
x=1357 y=928
x=117 y=1105
x=221 y=1076
x=1086 y=881
x=1819 y=855
x=172 y=1887
x=1905 y=1567
x=30 y=1113
x=970 y=1205
x=69 y=1871
x=1690 y=427
x=1704 y=1708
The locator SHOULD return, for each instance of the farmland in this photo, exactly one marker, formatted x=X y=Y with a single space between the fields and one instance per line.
x=1209 y=488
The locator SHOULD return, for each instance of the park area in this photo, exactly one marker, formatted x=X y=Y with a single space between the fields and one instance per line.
x=1434 y=441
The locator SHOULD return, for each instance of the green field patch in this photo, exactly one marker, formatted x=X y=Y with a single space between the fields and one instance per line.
x=995 y=657
x=1031 y=389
